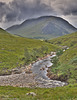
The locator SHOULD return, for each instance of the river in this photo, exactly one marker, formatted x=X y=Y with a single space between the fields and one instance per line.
x=38 y=78
x=40 y=68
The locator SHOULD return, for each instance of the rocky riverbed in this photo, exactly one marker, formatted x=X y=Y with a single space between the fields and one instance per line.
x=40 y=70
x=37 y=78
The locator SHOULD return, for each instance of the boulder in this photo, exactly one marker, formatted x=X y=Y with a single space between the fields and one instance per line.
x=31 y=94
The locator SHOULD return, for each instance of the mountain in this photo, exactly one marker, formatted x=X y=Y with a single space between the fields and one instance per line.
x=17 y=51
x=66 y=68
x=44 y=27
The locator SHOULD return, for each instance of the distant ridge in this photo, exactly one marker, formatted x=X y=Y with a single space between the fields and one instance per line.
x=44 y=27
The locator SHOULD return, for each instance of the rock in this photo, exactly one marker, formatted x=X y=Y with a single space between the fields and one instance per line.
x=16 y=71
x=33 y=62
x=31 y=93
x=53 y=53
x=64 y=50
x=3 y=49
x=42 y=68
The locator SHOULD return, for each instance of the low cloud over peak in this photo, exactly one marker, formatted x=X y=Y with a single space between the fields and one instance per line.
x=19 y=10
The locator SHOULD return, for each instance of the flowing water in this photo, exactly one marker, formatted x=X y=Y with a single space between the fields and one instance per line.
x=38 y=78
x=40 y=68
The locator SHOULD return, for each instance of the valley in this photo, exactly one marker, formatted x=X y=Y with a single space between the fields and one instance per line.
x=18 y=53
x=38 y=49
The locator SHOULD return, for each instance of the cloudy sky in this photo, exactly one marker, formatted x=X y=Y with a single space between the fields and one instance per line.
x=16 y=11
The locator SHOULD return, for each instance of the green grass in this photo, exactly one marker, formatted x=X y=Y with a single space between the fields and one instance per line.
x=66 y=40
x=59 y=93
x=13 y=48
x=67 y=67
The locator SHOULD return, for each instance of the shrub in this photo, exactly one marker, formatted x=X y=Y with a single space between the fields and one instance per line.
x=59 y=52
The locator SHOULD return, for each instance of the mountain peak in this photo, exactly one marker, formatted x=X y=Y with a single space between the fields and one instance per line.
x=44 y=27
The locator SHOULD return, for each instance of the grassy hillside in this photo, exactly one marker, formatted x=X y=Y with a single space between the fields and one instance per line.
x=45 y=27
x=17 y=51
x=66 y=67
x=12 y=54
x=60 y=93
x=66 y=40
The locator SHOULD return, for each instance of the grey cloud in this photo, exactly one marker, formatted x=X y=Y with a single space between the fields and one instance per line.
x=22 y=9
x=65 y=7
x=2 y=10
x=19 y=10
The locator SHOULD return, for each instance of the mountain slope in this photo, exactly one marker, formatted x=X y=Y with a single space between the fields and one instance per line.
x=67 y=65
x=43 y=28
x=69 y=40
x=17 y=51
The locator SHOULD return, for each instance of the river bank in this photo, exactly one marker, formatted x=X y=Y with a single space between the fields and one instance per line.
x=34 y=75
x=40 y=69
x=22 y=68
